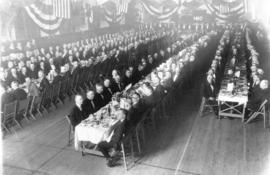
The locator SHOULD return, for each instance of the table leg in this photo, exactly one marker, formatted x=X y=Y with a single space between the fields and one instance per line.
x=244 y=111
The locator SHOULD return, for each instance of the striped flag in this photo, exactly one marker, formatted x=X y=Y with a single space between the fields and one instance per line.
x=61 y=8
x=121 y=6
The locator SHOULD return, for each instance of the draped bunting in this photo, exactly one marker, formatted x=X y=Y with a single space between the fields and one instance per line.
x=162 y=15
x=223 y=12
x=42 y=15
x=110 y=13
x=112 y=17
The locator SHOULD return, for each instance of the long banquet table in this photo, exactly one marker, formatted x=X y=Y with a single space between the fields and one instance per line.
x=233 y=95
x=93 y=129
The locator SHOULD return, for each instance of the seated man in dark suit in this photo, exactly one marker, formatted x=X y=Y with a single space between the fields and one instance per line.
x=118 y=130
x=117 y=85
x=77 y=114
x=44 y=83
x=209 y=93
x=6 y=98
x=99 y=96
x=258 y=96
x=89 y=106
x=127 y=78
x=136 y=112
x=19 y=93
x=57 y=78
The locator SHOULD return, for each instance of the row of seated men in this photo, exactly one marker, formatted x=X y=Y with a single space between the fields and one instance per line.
x=20 y=69
x=130 y=75
x=139 y=105
x=20 y=74
x=127 y=119
x=258 y=88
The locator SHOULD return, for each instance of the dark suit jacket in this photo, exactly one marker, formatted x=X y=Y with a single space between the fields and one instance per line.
x=136 y=113
x=257 y=98
x=57 y=79
x=76 y=116
x=7 y=98
x=88 y=108
x=116 y=88
x=107 y=94
x=208 y=91
x=33 y=74
x=99 y=100
x=126 y=81
x=19 y=94
x=44 y=84
x=118 y=129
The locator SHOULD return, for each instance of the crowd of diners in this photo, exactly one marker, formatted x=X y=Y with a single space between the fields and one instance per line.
x=108 y=62
x=35 y=69
x=158 y=83
x=234 y=45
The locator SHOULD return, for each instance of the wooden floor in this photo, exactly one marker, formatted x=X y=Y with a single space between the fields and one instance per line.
x=186 y=144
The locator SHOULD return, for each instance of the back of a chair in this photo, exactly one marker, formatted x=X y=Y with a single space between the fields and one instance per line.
x=69 y=122
x=55 y=90
x=263 y=104
x=64 y=86
x=10 y=111
x=23 y=104
x=36 y=102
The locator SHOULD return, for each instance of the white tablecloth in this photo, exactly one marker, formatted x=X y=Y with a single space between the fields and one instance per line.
x=230 y=98
x=88 y=133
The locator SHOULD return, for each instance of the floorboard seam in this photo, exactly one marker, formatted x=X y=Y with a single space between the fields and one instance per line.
x=186 y=146
x=166 y=168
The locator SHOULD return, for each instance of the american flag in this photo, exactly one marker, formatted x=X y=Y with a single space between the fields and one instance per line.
x=121 y=6
x=61 y=8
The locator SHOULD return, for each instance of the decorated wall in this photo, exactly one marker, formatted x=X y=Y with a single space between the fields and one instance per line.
x=38 y=18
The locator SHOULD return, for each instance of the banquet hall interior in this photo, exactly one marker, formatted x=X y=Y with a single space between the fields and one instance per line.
x=135 y=87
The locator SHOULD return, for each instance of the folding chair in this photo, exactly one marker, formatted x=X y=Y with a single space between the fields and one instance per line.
x=23 y=106
x=205 y=107
x=9 y=116
x=70 y=129
x=46 y=100
x=36 y=105
x=260 y=111
x=63 y=89
x=69 y=89
x=75 y=83
x=55 y=94
x=124 y=143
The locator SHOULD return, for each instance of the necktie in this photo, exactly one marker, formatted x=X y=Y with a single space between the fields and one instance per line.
x=119 y=86
x=102 y=96
x=93 y=105
x=110 y=90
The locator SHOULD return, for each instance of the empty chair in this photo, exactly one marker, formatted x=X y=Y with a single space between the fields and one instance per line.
x=9 y=116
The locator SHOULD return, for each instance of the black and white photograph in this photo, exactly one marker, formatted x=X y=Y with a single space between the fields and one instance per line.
x=135 y=87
